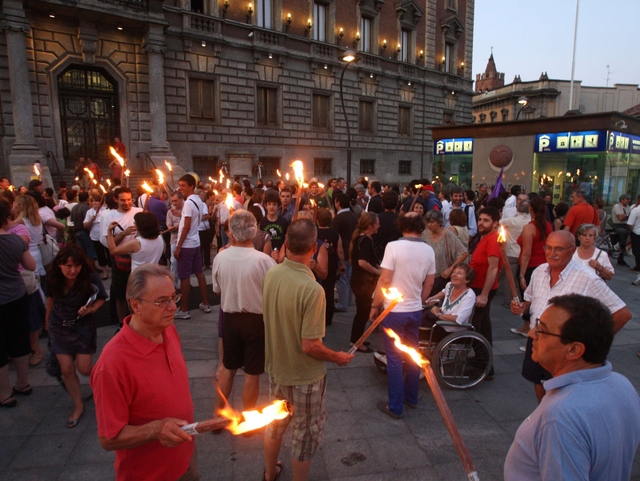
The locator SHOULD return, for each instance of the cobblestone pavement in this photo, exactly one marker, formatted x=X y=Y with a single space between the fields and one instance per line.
x=360 y=443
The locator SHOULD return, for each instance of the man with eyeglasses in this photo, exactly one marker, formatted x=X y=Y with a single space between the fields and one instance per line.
x=586 y=427
x=141 y=386
x=560 y=275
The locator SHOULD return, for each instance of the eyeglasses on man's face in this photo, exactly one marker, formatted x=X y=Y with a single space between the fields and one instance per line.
x=164 y=303
x=539 y=330
x=555 y=250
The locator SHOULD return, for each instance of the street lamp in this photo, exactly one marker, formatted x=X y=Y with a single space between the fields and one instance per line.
x=348 y=57
x=523 y=101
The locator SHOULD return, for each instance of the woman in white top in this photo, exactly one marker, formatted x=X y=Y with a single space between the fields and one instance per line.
x=52 y=225
x=146 y=248
x=458 y=299
x=589 y=255
x=26 y=209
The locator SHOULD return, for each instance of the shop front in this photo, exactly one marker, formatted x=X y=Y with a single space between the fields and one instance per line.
x=599 y=153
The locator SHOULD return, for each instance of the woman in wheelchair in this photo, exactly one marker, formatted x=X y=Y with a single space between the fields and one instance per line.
x=458 y=301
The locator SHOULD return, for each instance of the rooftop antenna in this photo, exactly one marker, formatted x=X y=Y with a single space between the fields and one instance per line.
x=608 y=75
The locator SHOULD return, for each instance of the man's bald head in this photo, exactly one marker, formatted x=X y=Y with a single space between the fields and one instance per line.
x=564 y=236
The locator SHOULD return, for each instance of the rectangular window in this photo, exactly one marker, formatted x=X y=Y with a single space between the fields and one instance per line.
x=404 y=167
x=321 y=111
x=319 y=22
x=448 y=58
x=365 y=34
x=367 y=166
x=405 y=46
x=404 y=121
x=206 y=166
x=201 y=99
x=269 y=165
x=267 y=106
x=366 y=116
x=264 y=9
x=451 y=5
x=322 y=166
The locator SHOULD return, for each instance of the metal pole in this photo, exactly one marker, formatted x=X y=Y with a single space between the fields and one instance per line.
x=346 y=121
x=573 y=58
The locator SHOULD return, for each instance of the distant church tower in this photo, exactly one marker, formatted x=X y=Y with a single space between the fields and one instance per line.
x=491 y=79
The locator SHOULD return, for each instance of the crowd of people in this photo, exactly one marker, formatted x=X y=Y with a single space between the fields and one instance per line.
x=286 y=259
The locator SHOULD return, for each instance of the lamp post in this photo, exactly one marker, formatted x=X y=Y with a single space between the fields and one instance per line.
x=349 y=56
x=523 y=101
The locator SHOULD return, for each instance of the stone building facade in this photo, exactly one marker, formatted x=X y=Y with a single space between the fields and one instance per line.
x=496 y=102
x=251 y=87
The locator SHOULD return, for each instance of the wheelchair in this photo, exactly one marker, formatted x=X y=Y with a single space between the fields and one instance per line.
x=608 y=243
x=460 y=356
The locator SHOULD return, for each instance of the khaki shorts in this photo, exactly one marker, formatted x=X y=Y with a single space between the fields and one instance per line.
x=308 y=416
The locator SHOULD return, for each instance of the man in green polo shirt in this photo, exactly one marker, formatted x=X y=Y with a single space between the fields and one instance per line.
x=293 y=306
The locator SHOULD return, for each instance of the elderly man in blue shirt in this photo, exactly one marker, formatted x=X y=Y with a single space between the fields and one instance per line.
x=587 y=426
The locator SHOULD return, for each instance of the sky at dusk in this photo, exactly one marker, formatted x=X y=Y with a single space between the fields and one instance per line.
x=530 y=37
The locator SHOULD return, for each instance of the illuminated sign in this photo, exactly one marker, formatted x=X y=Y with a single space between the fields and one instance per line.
x=588 y=141
x=453 y=147
x=620 y=142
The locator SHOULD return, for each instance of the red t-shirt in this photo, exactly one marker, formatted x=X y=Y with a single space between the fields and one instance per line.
x=137 y=381
x=579 y=214
x=487 y=247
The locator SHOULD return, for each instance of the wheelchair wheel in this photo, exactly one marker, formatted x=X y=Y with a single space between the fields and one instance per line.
x=462 y=359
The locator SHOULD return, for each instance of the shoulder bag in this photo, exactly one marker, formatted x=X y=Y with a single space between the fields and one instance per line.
x=49 y=248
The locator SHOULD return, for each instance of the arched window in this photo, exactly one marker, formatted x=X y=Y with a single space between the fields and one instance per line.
x=89 y=117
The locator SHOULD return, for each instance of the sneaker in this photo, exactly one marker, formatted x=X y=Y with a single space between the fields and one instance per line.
x=180 y=314
x=636 y=282
x=519 y=332
x=523 y=349
x=205 y=307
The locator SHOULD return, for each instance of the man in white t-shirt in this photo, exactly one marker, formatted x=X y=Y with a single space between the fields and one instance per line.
x=124 y=232
x=409 y=265
x=187 y=251
x=457 y=202
x=237 y=276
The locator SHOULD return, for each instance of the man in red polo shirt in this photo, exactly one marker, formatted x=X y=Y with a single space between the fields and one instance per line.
x=581 y=213
x=141 y=386
x=486 y=261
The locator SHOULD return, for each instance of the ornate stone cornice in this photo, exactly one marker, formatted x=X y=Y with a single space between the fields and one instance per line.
x=151 y=48
x=14 y=26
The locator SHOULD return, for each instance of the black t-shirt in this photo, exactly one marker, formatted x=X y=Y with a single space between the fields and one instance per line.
x=276 y=229
x=362 y=250
x=345 y=223
x=375 y=205
x=387 y=232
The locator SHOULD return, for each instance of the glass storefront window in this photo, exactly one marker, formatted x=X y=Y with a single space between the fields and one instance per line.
x=453 y=170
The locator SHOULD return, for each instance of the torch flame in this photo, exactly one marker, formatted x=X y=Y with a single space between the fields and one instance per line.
x=212 y=180
x=254 y=419
x=418 y=186
x=166 y=162
x=502 y=235
x=392 y=294
x=117 y=156
x=411 y=352
x=287 y=175
x=147 y=187
x=312 y=202
x=109 y=182
x=215 y=191
x=104 y=191
x=229 y=201
x=278 y=172
x=127 y=172
x=88 y=172
x=160 y=176
x=11 y=188
x=228 y=183
x=35 y=170
x=321 y=186
x=298 y=171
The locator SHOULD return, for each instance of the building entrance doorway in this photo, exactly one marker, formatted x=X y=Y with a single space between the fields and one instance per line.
x=89 y=116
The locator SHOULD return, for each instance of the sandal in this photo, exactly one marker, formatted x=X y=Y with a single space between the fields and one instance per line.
x=8 y=402
x=73 y=423
x=35 y=359
x=278 y=472
x=25 y=391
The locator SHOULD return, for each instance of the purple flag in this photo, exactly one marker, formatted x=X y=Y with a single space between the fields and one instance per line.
x=498 y=188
